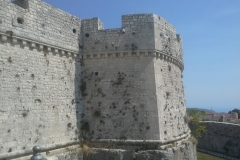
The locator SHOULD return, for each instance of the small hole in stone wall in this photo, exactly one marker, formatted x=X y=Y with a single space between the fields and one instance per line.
x=20 y=20
x=69 y=125
x=169 y=39
x=74 y=31
x=169 y=68
x=9 y=59
x=86 y=35
x=97 y=113
x=96 y=73
x=43 y=25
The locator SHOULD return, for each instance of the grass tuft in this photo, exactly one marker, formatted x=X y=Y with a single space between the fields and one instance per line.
x=86 y=150
x=193 y=140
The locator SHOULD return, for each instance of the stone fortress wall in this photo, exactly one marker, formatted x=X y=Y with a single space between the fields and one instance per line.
x=221 y=138
x=62 y=78
x=38 y=76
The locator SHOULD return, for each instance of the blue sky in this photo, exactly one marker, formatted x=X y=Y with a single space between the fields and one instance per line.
x=210 y=30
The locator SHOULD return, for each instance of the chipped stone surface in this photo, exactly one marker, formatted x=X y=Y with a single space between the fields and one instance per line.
x=62 y=78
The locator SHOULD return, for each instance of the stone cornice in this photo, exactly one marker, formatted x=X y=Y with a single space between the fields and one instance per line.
x=27 y=42
x=137 y=53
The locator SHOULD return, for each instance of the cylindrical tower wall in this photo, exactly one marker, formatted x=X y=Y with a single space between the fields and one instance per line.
x=133 y=78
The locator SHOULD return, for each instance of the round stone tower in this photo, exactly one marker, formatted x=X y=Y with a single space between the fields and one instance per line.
x=131 y=84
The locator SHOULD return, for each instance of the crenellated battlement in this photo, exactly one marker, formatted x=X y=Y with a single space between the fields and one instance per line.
x=40 y=22
x=139 y=32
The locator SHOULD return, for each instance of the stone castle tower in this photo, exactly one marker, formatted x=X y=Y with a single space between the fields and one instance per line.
x=63 y=78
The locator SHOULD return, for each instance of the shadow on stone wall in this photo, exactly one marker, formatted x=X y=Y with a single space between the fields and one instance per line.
x=78 y=95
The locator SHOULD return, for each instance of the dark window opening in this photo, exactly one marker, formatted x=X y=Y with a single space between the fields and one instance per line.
x=96 y=73
x=20 y=20
x=86 y=35
x=74 y=31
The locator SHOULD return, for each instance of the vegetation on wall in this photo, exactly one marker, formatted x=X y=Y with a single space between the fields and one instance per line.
x=194 y=120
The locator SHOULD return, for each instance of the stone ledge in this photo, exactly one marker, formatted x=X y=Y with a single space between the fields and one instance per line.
x=141 y=142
